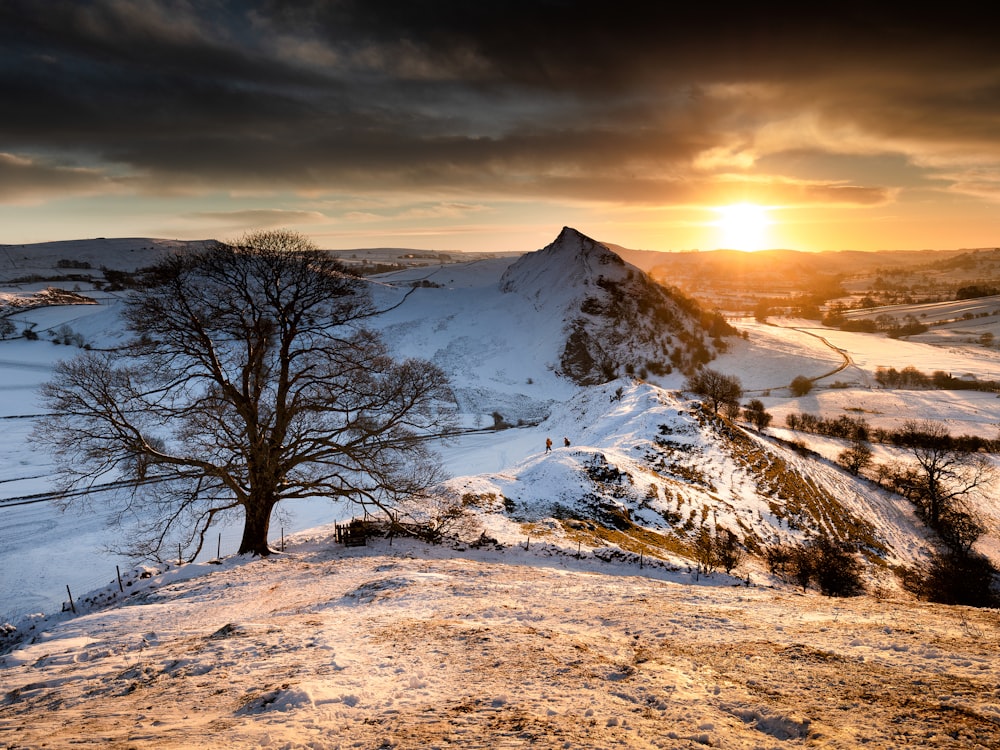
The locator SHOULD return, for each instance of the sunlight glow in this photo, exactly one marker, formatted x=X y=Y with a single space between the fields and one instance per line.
x=743 y=226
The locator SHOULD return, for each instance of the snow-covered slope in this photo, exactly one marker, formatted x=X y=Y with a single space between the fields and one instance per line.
x=642 y=459
x=518 y=335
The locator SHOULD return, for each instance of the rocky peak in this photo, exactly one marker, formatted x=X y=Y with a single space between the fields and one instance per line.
x=572 y=260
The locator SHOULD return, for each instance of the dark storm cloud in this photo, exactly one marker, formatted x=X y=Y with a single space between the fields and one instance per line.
x=605 y=101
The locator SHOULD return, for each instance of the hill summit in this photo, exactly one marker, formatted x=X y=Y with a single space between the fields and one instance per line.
x=616 y=320
x=571 y=260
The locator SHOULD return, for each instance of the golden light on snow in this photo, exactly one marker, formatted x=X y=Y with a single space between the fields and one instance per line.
x=743 y=226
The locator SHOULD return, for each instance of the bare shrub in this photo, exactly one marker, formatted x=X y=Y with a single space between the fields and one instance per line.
x=836 y=568
x=954 y=578
x=830 y=564
x=728 y=550
x=856 y=458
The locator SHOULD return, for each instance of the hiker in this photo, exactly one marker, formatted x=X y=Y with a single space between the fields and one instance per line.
x=548 y=445
x=566 y=441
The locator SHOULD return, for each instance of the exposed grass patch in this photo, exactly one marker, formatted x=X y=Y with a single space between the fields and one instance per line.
x=797 y=498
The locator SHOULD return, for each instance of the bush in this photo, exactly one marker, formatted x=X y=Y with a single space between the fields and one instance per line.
x=779 y=559
x=830 y=564
x=756 y=415
x=959 y=530
x=955 y=578
x=721 y=550
x=801 y=385
x=837 y=570
x=65 y=335
x=856 y=458
x=728 y=551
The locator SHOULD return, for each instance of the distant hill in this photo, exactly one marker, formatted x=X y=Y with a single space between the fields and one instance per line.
x=75 y=259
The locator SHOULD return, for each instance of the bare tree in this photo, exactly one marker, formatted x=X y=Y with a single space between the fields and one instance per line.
x=717 y=389
x=757 y=415
x=251 y=380
x=856 y=458
x=728 y=550
x=943 y=476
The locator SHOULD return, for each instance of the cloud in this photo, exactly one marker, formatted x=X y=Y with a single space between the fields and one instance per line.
x=262 y=217
x=576 y=101
x=27 y=180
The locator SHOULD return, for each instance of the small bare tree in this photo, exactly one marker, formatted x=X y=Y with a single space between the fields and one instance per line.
x=857 y=457
x=757 y=415
x=728 y=550
x=250 y=381
x=715 y=387
x=704 y=552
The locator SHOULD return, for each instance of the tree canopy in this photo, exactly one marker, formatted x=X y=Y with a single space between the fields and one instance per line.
x=250 y=380
x=943 y=475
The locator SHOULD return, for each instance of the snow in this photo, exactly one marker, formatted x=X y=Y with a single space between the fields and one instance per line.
x=410 y=646
x=543 y=638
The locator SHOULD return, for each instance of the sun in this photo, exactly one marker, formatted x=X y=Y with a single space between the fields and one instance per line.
x=743 y=226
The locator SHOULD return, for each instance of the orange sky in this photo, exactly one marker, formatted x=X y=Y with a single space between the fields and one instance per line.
x=464 y=126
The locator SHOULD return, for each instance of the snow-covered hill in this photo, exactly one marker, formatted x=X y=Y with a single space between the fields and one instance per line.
x=617 y=321
x=518 y=335
x=642 y=459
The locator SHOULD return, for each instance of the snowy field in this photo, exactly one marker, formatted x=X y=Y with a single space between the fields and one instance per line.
x=477 y=334
x=408 y=646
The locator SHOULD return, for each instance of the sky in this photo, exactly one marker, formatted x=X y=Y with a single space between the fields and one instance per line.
x=450 y=125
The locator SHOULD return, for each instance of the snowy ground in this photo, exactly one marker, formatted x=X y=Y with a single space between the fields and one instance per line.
x=414 y=647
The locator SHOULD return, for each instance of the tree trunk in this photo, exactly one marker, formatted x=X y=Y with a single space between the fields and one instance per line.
x=257 y=521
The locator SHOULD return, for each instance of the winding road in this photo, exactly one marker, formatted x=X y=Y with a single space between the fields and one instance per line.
x=842 y=353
